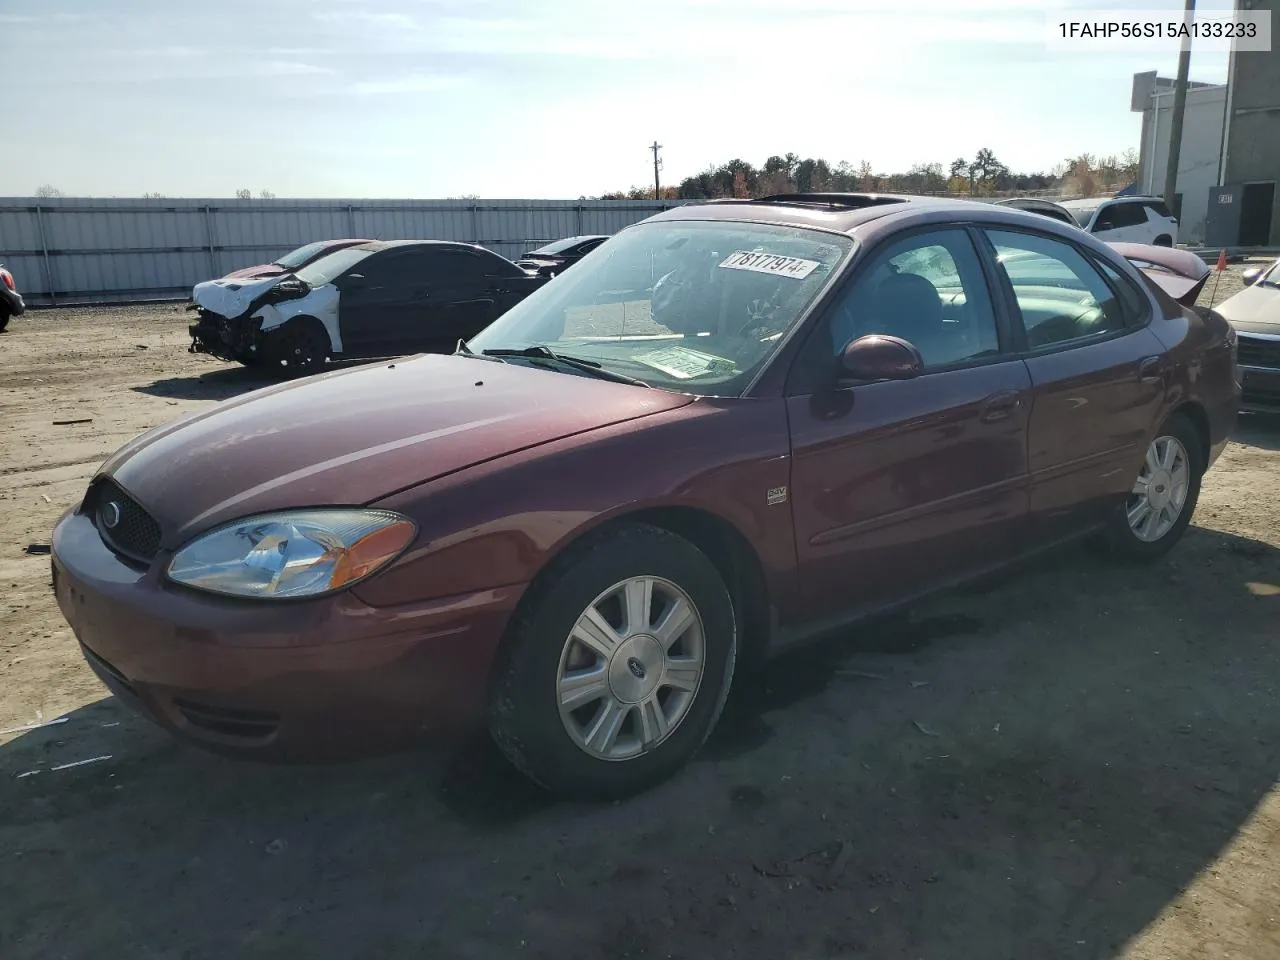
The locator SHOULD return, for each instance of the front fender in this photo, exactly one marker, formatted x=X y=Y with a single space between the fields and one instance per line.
x=500 y=523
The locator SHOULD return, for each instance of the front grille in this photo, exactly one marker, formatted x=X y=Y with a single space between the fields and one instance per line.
x=228 y=722
x=122 y=523
x=1256 y=352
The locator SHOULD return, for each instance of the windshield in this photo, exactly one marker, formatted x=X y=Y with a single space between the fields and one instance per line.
x=328 y=267
x=296 y=258
x=1082 y=214
x=560 y=246
x=690 y=306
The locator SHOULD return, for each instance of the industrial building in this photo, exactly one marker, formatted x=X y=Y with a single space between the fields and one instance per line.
x=1229 y=160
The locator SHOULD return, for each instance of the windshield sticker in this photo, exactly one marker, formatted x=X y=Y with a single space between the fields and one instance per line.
x=770 y=263
x=685 y=364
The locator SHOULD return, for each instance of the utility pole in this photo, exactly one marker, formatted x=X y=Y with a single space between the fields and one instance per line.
x=1179 y=110
x=657 y=184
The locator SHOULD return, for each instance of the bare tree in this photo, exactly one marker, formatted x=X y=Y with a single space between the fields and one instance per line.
x=47 y=190
x=267 y=195
x=244 y=193
x=153 y=196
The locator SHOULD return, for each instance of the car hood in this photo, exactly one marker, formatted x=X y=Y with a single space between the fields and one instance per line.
x=261 y=270
x=1253 y=310
x=357 y=435
x=229 y=297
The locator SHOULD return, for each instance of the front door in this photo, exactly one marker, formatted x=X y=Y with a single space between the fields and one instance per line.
x=1097 y=371
x=380 y=302
x=900 y=485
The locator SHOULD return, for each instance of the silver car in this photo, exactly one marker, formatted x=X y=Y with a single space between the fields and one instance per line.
x=1254 y=312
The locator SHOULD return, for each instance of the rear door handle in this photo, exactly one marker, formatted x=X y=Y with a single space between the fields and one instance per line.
x=1151 y=370
x=1000 y=406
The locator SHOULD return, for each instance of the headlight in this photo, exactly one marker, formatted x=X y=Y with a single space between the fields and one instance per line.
x=294 y=553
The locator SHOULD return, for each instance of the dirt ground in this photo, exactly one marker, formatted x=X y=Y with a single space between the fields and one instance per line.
x=1080 y=761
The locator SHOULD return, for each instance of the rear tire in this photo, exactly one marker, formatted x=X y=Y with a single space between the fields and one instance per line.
x=4 y=321
x=617 y=667
x=1164 y=241
x=1156 y=514
x=298 y=349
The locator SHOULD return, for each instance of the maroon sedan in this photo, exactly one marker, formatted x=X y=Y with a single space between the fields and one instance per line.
x=304 y=255
x=738 y=426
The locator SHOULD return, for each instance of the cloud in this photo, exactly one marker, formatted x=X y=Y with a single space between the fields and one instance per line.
x=15 y=18
x=412 y=83
x=288 y=68
x=379 y=20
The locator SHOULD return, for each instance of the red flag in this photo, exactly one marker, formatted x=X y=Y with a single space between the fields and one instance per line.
x=1222 y=260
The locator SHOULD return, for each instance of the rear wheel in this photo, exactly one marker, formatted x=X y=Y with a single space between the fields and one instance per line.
x=1164 y=240
x=4 y=321
x=299 y=348
x=1164 y=495
x=618 y=668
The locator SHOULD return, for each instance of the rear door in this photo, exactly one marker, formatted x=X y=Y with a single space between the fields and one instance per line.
x=899 y=485
x=478 y=286
x=1098 y=376
x=1123 y=221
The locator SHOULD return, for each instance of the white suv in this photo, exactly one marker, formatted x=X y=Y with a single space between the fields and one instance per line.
x=1131 y=219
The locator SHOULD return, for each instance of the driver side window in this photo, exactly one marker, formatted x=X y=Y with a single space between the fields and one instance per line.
x=929 y=290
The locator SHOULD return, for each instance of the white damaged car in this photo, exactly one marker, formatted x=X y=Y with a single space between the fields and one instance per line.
x=378 y=299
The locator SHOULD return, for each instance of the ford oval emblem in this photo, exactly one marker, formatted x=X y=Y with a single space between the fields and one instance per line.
x=636 y=668
x=110 y=514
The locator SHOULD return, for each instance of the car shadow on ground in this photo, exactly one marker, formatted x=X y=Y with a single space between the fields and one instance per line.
x=222 y=383
x=1261 y=430
x=1033 y=767
x=218 y=383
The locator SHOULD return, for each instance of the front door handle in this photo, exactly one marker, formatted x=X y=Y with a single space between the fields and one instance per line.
x=1000 y=406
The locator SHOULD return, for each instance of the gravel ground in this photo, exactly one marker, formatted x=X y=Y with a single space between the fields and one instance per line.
x=1079 y=761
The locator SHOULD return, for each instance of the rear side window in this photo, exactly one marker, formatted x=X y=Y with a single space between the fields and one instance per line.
x=1119 y=215
x=462 y=266
x=1061 y=296
x=1158 y=208
x=1132 y=302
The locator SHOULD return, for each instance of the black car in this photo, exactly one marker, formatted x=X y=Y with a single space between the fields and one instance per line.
x=11 y=304
x=377 y=299
x=1046 y=208
x=560 y=256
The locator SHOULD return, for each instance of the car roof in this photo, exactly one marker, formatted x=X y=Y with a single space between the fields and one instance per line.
x=846 y=212
x=376 y=245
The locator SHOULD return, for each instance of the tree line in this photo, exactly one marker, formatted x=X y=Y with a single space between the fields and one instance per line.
x=1084 y=175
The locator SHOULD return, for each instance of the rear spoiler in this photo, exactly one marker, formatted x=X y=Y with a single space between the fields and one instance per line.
x=1179 y=273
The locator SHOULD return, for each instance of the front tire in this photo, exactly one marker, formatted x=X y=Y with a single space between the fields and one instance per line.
x=617 y=668
x=299 y=348
x=1159 y=508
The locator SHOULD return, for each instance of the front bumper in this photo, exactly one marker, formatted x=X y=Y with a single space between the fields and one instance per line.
x=235 y=338
x=314 y=680
x=1260 y=389
x=11 y=302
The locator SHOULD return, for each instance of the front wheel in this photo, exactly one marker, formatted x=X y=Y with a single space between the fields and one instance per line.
x=618 y=667
x=1164 y=495
x=299 y=348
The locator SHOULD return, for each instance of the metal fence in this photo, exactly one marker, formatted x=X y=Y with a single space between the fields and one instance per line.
x=70 y=250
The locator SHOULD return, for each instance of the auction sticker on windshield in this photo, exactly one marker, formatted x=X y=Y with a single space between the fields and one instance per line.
x=770 y=263
x=685 y=364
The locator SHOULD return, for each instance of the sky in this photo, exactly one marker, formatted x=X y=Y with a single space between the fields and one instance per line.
x=539 y=98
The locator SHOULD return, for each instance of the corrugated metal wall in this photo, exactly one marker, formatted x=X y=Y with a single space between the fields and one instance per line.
x=106 y=250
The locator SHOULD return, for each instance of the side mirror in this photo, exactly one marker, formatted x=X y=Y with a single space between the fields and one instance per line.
x=880 y=357
x=1251 y=276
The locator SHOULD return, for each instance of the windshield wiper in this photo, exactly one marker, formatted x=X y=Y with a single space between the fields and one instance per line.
x=462 y=350
x=540 y=352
